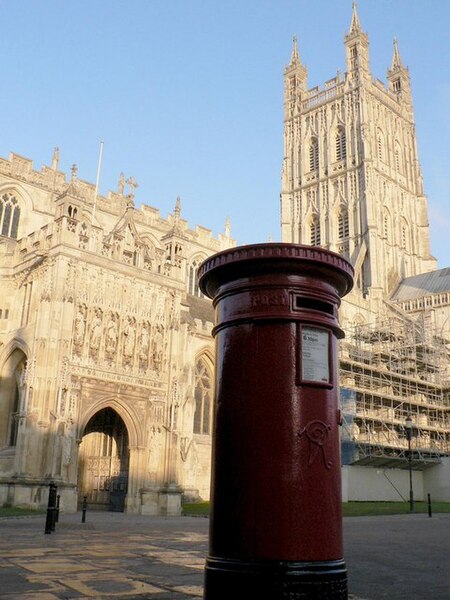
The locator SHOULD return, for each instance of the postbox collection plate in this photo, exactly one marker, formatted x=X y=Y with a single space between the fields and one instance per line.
x=315 y=354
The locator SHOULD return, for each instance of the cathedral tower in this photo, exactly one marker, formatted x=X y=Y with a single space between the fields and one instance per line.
x=351 y=180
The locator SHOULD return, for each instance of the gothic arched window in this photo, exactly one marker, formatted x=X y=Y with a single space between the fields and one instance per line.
x=9 y=216
x=343 y=226
x=314 y=155
x=341 y=144
x=203 y=397
x=315 y=231
x=193 y=287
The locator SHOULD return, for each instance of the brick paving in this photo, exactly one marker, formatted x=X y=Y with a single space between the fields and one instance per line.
x=120 y=556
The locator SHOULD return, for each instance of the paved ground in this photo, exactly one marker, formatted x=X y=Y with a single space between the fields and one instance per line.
x=127 y=557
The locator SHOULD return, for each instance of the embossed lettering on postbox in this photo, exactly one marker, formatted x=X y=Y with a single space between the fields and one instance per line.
x=315 y=354
x=269 y=299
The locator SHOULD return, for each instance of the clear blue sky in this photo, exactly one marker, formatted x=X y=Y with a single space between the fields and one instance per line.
x=187 y=95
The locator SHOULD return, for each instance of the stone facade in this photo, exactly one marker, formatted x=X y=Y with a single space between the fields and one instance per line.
x=351 y=178
x=106 y=354
x=351 y=182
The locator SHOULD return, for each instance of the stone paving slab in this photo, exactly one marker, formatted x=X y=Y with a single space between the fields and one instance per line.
x=129 y=557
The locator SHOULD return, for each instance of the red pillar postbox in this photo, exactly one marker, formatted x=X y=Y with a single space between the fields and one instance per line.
x=276 y=520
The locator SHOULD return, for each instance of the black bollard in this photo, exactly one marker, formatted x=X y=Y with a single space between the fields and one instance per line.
x=55 y=491
x=58 y=497
x=84 y=508
x=49 y=524
x=430 y=514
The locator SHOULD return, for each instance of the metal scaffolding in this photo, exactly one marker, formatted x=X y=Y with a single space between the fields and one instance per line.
x=390 y=371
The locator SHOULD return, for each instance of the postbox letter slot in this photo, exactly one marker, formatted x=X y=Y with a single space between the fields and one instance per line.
x=313 y=304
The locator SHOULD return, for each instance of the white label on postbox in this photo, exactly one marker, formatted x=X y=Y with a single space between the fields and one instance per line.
x=315 y=355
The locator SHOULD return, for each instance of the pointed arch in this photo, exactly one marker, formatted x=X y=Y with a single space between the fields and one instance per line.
x=343 y=223
x=192 y=274
x=341 y=144
x=314 y=230
x=313 y=154
x=203 y=394
x=128 y=415
x=12 y=390
x=9 y=214
x=21 y=193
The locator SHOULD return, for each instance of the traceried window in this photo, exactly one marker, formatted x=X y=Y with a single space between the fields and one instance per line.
x=343 y=226
x=341 y=144
x=193 y=287
x=203 y=397
x=9 y=216
x=314 y=155
x=315 y=231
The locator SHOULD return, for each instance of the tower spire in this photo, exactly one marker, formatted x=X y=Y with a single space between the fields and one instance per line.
x=398 y=77
x=396 y=59
x=355 y=25
x=357 y=45
x=177 y=210
x=295 y=57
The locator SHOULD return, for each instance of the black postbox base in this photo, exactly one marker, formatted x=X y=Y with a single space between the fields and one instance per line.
x=275 y=580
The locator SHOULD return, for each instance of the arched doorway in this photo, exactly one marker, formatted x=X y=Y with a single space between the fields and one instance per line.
x=11 y=397
x=103 y=461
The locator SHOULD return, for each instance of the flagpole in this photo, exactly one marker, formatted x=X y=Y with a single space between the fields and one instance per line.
x=97 y=180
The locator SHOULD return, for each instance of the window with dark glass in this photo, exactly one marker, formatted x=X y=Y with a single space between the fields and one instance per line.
x=9 y=216
x=315 y=231
x=203 y=398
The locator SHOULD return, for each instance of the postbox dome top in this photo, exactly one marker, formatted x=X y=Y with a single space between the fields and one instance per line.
x=290 y=259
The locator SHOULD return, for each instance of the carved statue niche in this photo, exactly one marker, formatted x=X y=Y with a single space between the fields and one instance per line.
x=111 y=334
x=129 y=339
x=157 y=347
x=144 y=345
x=79 y=328
x=96 y=332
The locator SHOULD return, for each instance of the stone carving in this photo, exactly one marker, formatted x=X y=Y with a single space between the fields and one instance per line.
x=69 y=287
x=47 y=283
x=96 y=331
x=67 y=451
x=144 y=345
x=80 y=326
x=30 y=367
x=121 y=184
x=157 y=347
x=132 y=183
x=129 y=339
x=111 y=334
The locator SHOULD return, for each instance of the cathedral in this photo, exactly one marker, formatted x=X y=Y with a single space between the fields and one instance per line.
x=106 y=353
x=351 y=182
x=105 y=345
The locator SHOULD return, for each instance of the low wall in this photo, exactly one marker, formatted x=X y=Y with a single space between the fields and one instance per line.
x=368 y=483
x=436 y=481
